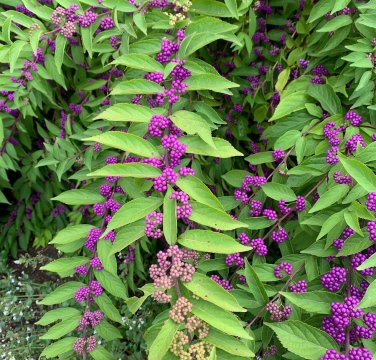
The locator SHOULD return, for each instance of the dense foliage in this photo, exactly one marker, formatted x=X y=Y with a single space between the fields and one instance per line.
x=207 y=166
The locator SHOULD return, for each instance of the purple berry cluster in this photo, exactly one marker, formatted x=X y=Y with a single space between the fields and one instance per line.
x=333 y=280
x=170 y=269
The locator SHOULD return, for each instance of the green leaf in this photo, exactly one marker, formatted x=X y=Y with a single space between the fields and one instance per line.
x=100 y=353
x=134 y=210
x=336 y=23
x=209 y=290
x=196 y=41
x=223 y=149
x=370 y=262
x=289 y=104
x=62 y=328
x=57 y=314
x=126 y=142
x=326 y=96
x=330 y=197
x=363 y=175
x=318 y=249
x=320 y=9
x=3 y=199
x=128 y=235
x=62 y=293
x=302 y=339
x=317 y=302
x=61 y=42
x=64 y=265
x=170 y=227
x=219 y=318
x=352 y=220
x=369 y=298
x=278 y=191
x=87 y=40
x=210 y=7
x=255 y=285
x=108 y=308
x=58 y=347
x=134 y=303
x=287 y=140
x=209 y=216
x=6 y=31
x=212 y=82
x=192 y=123
x=139 y=61
x=330 y=222
x=339 y=5
x=79 y=197
x=259 y=158
x=228 y=344
x=134 y=170
x=137 y=86
x=140 y=21
x=108 y=331
x=198 y=191
x=235 y=177
x=128 y=112
x=257 y=223
x=111 y=283
x=162 y=342
x=71 y=233
x=14 y=52
x=314 y=110
x=282 y=80
x=212 y=242
x=232 y=6
x=354 y=245
x=107 y=259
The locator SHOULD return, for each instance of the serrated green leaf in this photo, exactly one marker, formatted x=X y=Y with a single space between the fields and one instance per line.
x=162 y=342
x=111 y=283
x=79 y=197
x=62 y=328
x=126 y=142
x=170 y=228
x=278 y=191
x=317 y=302
x=229 y=344
x=209 y=290
x=302 y=339
x=58 y=347
x=192 y=123
x=134 y=170
x=209 y=216
x=134 y=210
x=198 y=191
x=137 y=86
x=57 y=314
x=64 y=265
x=128 y=235
x=255 y=286
x=71 y=233
x=223 y=149
x=128 y=112
x=289 y=104
x=219 y=318
x=62 y=293
x=139 y=61
x=330 y=197
x=108 y=308
x=210 y=241
x=363 y=175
